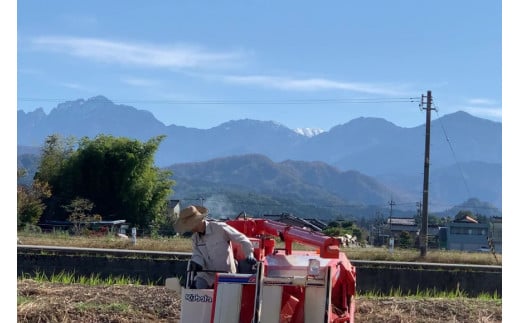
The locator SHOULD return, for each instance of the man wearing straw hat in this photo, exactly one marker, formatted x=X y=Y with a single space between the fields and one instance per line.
x=211 y=244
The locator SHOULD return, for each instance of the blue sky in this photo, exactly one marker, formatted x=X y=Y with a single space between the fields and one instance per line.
x=300 y=63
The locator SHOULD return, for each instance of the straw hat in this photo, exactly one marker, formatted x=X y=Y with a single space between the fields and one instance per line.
x=189 y=218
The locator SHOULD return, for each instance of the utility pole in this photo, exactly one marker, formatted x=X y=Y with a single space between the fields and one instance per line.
x=423 y=239
x=419 y=212
x=418 y=217
x=391 y=203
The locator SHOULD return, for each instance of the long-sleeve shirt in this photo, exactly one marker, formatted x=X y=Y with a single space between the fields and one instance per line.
x=213 y=250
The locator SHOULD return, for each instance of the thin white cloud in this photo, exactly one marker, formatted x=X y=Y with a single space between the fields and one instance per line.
x=482 y=107
x=488 y=112
x=479 y=101
x=186 y=56
x=74 y=86
x=310 y=84
x=140 y=82
x=178 y=56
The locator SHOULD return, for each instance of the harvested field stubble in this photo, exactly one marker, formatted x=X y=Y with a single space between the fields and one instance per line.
x=58 y=302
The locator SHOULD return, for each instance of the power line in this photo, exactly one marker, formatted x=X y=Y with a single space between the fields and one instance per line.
x=244 y=101
x=453 y=153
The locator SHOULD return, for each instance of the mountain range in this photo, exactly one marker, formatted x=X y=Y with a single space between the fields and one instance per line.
x=366 y=161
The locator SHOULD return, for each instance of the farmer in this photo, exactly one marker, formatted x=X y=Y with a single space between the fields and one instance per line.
x=211 y=244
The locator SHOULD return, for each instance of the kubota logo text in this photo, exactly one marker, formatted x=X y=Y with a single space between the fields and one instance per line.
x=198 y=298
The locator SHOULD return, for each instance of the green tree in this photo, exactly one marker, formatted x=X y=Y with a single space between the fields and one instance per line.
x=405 y=240
x=347 y=224
x=333 y=231
x=333 y=224
x=434 y=220
x=79 y=213
x=56 y=153
x=358 y=233
x=30 y=206
x=118 y=175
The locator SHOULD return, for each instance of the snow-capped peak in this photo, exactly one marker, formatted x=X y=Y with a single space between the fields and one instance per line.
x=308 y=132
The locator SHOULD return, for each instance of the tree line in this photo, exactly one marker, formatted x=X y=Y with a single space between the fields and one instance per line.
x=107 y=177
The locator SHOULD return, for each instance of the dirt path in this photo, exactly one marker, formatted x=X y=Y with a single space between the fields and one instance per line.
x=56 y=302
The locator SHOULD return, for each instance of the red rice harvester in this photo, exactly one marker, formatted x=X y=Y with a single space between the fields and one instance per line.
x=287 y=286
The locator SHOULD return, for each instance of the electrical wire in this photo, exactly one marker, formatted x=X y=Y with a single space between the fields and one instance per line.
x=459 y=167
x=245 y=101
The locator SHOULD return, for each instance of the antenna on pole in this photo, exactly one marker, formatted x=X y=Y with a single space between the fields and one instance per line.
x=423 y=241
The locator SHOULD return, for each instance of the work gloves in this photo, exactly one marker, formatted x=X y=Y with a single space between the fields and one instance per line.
x=251 y=259
x=194 y=266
